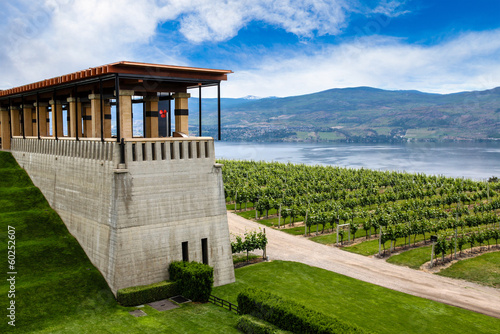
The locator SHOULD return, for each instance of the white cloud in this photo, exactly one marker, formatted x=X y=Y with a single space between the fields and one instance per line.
x=390 y=8
x=46 y=38
x=469 y=62
x=61 y=36
x=220 y=20
x=52 y=37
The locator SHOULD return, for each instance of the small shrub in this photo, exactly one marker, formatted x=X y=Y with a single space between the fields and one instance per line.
x=143 y=294
x=195 y=280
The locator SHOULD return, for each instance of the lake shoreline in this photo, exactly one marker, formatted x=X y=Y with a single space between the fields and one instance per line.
x=474 y=160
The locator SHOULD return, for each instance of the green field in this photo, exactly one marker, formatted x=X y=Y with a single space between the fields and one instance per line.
x=58 y=290
x=366 y=305
x=484 y=269
x=414 y=258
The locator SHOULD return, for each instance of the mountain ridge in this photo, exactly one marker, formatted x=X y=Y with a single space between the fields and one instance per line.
x=358 y=114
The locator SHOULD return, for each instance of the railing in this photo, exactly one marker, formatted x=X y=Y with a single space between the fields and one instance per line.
x=131 y=150
x=87 y=149
x=137 y=150
x=223 y=303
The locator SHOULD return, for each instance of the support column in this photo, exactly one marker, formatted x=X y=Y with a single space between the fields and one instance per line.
x=151 y=116
x=42 y=108
x=5 y=128
x=73 y=103
x=68 y=121
x=33 y=122
x=181 y=112
x=57 y=113
x=95 y=112
x=87 y=120
x=107 y=119
x=126 y=130
x=15 y=121
x=28 y=120
x=47 y=120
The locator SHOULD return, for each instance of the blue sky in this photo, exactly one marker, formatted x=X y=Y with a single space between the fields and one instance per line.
x=275 y=48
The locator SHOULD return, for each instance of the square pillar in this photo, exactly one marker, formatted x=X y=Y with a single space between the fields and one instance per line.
x=181 y=112
x=28 y=120
x=47 y=121
x=87 y=120
x=126 y=130
x=15 y=121
x=95 y=112
x=42 y=119
x=73 y=104
x=34 y=122
x=5 y=128
x=57 y=127
x=151 y=116
x=107 y=119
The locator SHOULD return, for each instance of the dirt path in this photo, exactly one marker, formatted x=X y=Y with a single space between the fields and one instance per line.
x=283 y=246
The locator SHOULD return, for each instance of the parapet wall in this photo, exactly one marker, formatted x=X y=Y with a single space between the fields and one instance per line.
x=132 y=213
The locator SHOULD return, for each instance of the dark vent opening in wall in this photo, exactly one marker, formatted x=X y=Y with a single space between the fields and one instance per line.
x=185 y=252
x=181 y=151
x=143 y=151
x=134 y=156
x=172 y=154
x=204 y=250
x=198 y=152
x=190 y=150
x=206 y=150
x=153 y=151
x=162 y=147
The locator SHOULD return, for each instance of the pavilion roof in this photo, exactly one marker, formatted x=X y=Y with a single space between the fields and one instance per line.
x=127 y=69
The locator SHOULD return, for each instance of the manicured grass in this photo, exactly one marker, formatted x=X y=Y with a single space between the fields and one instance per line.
x=366 y=305
x=331 y=238
x=58 y=290
x=365 y=248
x=250 y=214
x=371 y=247
x=192 y=318
x=483 y=269
x=413 y=258
x=239 y=207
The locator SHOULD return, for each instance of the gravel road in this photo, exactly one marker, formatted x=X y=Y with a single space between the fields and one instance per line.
x=286 y=247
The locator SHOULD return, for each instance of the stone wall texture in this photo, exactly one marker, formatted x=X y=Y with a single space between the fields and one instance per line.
x=131 y=217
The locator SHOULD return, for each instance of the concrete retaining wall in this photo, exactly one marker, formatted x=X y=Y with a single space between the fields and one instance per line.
x=131 y=219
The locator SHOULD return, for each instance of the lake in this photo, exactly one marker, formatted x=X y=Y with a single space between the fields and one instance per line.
x=472 y=160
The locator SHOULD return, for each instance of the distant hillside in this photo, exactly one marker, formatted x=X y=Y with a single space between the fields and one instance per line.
x=358 y=114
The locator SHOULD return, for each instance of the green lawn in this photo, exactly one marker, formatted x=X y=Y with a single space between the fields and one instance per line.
x=366 y=305
x=365 y=248
x=193 y=318
x=58 y=290
x=413 y=258
x=416 y=257
x=484 y=269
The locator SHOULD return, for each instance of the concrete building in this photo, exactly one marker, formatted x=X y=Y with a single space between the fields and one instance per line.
x=135 y=204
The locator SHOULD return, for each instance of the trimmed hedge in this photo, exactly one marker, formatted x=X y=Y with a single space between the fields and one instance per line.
x=195 y=280
x=290 y=315
x=143 y=294
x=252 y=325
